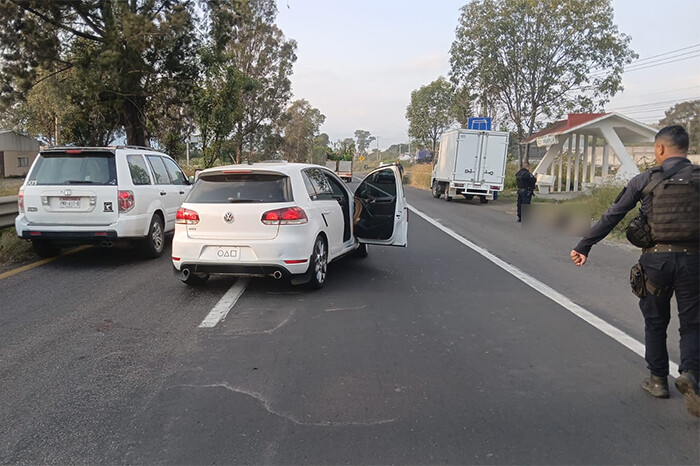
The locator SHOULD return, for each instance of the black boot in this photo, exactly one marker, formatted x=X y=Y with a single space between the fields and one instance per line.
x=687 y=384
x=656 y=386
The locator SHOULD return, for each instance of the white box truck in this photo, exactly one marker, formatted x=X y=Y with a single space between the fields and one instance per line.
x=342 y=168
x=471 y=163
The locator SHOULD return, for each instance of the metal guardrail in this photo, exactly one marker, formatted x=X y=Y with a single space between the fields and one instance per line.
x=8 y=211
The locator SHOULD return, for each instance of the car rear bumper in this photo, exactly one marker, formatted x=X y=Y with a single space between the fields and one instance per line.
x=256 y=270
x=127 y=227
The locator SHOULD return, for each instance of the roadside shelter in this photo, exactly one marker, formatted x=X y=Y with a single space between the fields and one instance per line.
x=588 y=149
x=17 y=152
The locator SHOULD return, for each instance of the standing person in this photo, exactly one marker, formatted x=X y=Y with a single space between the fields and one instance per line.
x=670 y=196
x=526 y=186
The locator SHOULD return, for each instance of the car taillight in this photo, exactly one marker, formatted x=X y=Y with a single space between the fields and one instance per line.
x=286 y=216
x=20 y=200
x=126 y=201
x=186 y=216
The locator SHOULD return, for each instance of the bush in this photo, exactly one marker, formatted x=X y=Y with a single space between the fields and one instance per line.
x=419 y=175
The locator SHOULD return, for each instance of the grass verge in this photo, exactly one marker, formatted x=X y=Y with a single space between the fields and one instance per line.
x=14 y=250
x=10 y=186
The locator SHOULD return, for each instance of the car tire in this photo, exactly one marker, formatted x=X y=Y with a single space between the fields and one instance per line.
x=361 y=252
x=194 y=279
x=154 y=243
x=435 y=188
x=483 y=200
x=318 y=264
x=45 y=248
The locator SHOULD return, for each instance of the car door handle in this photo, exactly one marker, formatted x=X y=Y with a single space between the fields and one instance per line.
x=163 y=193
x=326 y=212
x=182 y=192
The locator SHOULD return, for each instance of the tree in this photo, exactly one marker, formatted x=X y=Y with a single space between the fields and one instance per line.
x=428 y=113
x=461 y=108
x=130 y=57
x=539 y=59
x=686 y=114
x=218 y=104
x=363 y=140
x=302 y=123
x=258 y=48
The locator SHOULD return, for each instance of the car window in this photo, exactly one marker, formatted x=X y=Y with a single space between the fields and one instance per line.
x=159 y=169
x=320 y=183
x=241 y=188
x=381 y=184
x=175 y=172
x=62 y=168
x=309 y=186
x=336 y=185
x=138 y=169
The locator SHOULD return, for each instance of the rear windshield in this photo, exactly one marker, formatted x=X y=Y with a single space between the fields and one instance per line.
x=241 y=188
x=94 y=168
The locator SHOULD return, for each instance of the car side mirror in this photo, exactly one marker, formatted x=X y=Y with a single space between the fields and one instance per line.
x=191 y=179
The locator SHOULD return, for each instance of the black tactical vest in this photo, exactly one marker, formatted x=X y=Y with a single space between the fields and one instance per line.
x=674 y=215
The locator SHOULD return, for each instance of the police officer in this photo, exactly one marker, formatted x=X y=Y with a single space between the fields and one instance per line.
x=526 y=186
x=671 y=265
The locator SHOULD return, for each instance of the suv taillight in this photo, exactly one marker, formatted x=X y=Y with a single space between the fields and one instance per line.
x=286 y=216
x=186 y=216
x=126 y=201
x=20 y=200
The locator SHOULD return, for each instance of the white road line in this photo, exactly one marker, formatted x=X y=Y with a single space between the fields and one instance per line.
x=552 y=294
x=225 y=304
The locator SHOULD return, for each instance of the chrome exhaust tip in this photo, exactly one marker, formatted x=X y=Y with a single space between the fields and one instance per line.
x=277 y=274
x=185 y=273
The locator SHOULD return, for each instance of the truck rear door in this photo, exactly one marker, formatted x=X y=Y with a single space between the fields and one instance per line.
x=467 y=163
x=493 y=160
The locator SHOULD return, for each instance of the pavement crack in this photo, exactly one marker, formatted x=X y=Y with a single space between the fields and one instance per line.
x=268 y=407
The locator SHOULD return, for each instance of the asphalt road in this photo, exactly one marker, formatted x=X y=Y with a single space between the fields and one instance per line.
x=430 y=354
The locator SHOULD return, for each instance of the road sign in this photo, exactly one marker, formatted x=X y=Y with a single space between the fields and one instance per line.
x=547 y=140
x=479 y=123
x=362 y=158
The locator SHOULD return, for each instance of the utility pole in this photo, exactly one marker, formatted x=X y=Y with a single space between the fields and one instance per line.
x=377 y=148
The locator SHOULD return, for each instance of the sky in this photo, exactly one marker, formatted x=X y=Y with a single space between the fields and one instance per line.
x=359 y=60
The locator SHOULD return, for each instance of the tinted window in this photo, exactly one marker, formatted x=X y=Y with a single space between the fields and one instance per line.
x=320 y=183
x=66 y=169
x=175 y=173
x=159 y=170
x=244 y=187
x=138 y=169
x=379 y=184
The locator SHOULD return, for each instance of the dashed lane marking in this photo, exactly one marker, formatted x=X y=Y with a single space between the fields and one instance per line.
x=225 y=304
x=549 y=292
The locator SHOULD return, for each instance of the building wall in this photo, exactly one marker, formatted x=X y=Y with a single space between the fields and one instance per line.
x=13 y=160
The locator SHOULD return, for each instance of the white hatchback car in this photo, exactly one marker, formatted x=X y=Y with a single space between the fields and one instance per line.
x=284 y=220
x=100 y=195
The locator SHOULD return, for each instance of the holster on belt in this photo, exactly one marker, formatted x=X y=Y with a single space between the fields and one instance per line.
x=641 y=285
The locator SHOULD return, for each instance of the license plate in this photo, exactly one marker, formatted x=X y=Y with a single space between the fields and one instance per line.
x=228 y=254
x=69 y=203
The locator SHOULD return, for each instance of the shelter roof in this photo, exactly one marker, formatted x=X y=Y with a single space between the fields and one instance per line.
x=629 y=130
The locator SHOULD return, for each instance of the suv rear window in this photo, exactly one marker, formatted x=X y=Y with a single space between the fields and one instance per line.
x=60 y=168
x=241 y=188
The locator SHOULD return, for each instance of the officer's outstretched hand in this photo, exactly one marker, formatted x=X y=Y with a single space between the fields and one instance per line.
x=578 y=258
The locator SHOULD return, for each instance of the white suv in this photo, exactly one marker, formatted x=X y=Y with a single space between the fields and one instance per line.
x=100 y=195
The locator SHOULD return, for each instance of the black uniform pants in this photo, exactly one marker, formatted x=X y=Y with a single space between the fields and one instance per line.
x=682 y=272
x=524 y=197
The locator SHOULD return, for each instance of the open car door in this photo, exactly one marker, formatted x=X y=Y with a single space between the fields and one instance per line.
x=383 y=218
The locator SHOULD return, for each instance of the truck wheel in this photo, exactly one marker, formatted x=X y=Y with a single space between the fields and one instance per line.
x=45 y=248
x=436 y=189
x=483 y=200
x=446 y=190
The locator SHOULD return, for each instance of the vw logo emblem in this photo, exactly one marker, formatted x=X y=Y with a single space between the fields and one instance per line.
x=228 y=217
x=67 y=192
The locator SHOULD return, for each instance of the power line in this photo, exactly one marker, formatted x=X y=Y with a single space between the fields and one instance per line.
x=663 y=102
x=637 y=61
